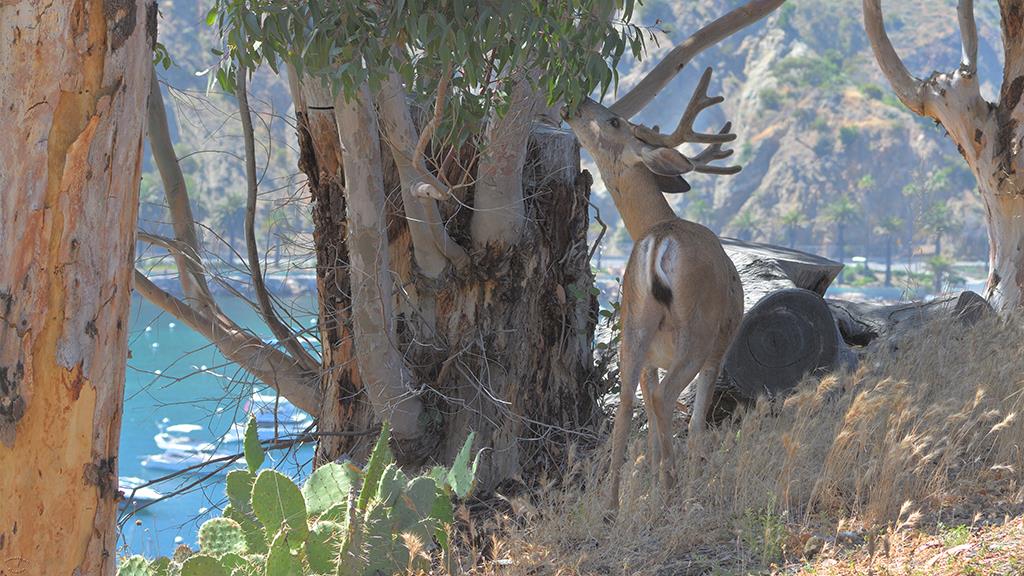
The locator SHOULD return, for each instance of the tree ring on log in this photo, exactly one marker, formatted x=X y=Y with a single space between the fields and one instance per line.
x=787 y=335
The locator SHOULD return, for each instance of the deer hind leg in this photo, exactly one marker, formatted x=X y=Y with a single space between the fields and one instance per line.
x=665 y=395
x=705 y=387
x=636 y=339
x=649 y=379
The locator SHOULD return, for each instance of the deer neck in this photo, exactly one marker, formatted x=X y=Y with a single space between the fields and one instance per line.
x=640 y=203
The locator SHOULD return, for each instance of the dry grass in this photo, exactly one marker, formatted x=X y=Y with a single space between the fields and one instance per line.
x=863 y=462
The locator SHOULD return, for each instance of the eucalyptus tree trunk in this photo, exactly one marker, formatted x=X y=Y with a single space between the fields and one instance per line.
x=72 y=100
x=497 y=340
x=987 y=135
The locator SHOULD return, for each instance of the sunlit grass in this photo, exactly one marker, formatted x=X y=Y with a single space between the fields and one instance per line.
x=859 y=461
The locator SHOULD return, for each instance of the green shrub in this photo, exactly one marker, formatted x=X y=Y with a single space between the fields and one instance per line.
x=873 y=91
x=848 y=135
x=772 y=98
x=345 y=520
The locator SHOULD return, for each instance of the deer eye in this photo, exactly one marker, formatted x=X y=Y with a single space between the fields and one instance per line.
x=614 y=122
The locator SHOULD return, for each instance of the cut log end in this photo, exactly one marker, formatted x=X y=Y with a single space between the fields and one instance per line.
x=786 y=336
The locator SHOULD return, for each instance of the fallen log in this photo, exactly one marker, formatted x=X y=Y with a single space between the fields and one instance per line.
x=787 y=330
x=863 y=324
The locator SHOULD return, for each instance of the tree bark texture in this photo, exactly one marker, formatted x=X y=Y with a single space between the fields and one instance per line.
x=73 y=99
x=507 y=350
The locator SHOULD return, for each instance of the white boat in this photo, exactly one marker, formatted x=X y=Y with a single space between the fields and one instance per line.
x=262 y=406
x=236 y=434
x=176 y=437
x=176 y=460
x=135 y=493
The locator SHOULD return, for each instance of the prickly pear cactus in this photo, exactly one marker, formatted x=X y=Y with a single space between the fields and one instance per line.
x=277 y=502
x=346 y=520
x=134 y=566
x=328 y=487
x=219 y=536
x=203 y=565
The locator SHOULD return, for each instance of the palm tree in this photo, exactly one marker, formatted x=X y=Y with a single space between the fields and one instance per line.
x=746 y=226
x=840 y=213
x=890 y=228
x=939 y=267
x=938 y=220
x=229 y=217
x=792 y=221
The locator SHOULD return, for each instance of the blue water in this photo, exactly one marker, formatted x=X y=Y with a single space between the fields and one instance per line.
x=184 y=392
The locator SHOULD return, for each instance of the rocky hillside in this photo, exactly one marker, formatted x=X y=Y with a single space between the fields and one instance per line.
x=821 y=137
x=818 y=124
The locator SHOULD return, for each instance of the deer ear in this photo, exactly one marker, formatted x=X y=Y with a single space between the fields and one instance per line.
x=671 y=184
x=665 y=161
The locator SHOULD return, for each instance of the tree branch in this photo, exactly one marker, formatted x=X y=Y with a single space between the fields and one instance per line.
x=262 y=360
x=909 y=89
x=498 y=206
x=284 y=334
x=432 y=246
x=385 y=377
x=968 y=37
x=641 y=95
x=190 y=268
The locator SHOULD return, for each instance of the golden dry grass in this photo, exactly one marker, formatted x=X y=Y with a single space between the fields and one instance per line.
x=864 y=462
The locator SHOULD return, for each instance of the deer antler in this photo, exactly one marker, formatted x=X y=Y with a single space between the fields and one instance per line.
x=684 y=132
x=702 y=162
x=641 y=95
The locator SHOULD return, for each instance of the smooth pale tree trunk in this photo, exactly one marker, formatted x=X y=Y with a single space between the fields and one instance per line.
x=987 y=134
x=72 y=101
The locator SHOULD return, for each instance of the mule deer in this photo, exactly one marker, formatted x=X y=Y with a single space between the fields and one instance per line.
x=682 y=299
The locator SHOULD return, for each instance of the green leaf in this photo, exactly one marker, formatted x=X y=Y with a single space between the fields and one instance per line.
x=135 y=566
x=219 y=536
x=323 y=546
x=203 y=565
x=277 y=501
x=329 y=486
x=254 y=455
x=379 y=459
x=461 y=476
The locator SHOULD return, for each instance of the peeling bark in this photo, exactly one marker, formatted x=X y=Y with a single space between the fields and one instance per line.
x=988 y=135
x=72 y=96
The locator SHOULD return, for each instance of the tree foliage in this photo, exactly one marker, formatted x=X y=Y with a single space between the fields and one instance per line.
x=569 y=43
